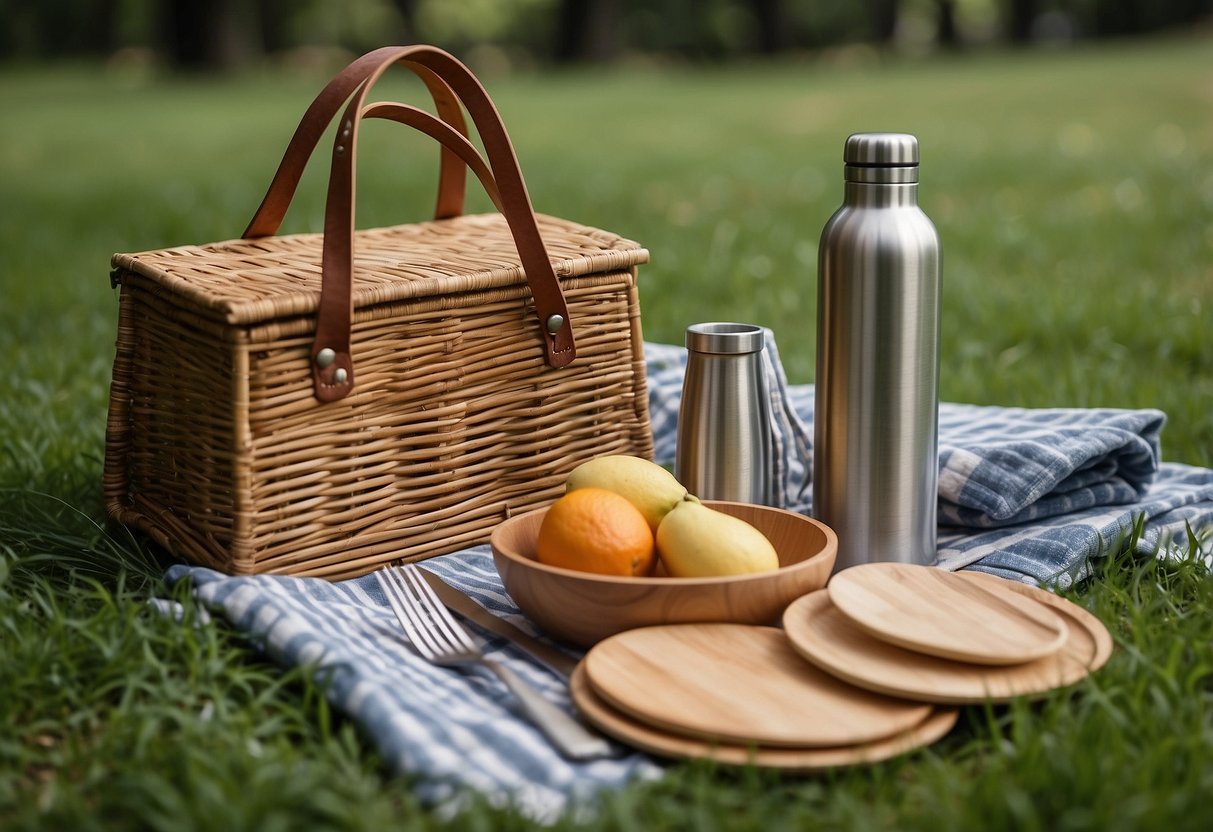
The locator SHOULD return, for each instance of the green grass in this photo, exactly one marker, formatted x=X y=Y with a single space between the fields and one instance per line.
x=1074 y=196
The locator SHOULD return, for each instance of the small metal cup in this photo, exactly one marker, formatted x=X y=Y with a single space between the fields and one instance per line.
x=724 y=419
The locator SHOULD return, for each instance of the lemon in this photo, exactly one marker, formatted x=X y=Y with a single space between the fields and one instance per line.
x=646 y=485
x=694 y=541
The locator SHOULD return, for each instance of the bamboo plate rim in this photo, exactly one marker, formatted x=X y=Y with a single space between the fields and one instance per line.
x=825 y=637
x=939 y=613
x=740 y=684
x=1104 y=646
x=938 y=722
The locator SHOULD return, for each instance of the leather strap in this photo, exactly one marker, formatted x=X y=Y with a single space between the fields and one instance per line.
x=452 y=178
x=450 y=139
x=550 y=307
x=335 y=378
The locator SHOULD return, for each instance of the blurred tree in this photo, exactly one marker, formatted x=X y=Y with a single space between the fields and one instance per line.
x=209 y=34
x=272 y=25
x=99 y=20
x=946 y=33
x=882 y=16
x=772 y=26
x=586 y=31
x=1130 y=17
x=510 y=30
x=407 y=9
x=203 y=35
x=1021 y=14
x=1120 y=17
x=58 y=28
x=189 y=33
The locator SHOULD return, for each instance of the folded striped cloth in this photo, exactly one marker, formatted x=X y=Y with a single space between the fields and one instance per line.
x=1030 y=495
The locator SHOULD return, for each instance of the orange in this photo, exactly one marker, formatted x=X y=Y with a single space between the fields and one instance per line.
x=595 y=530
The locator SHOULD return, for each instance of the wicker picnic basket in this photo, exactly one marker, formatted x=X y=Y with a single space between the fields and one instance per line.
x=325 y=404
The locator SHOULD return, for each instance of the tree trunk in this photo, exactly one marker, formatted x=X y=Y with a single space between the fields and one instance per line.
x=883 y=20
x=772 y=26
x=407 y=9
x=97 y=32
x=186 y=32
x=207 y=35
x=271 y=25
x=946 y=34
x=1020 y=14
x=1121 y=18
x=586 y=31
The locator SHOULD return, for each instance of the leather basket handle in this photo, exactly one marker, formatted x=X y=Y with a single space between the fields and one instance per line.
x=450 y=139
x=320 y=113
x=332 y=365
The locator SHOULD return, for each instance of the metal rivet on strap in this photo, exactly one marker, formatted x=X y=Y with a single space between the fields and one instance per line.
x=345 y=130
x=325 y=358
x=340 y=375
x=554 y=322
x=340 y=150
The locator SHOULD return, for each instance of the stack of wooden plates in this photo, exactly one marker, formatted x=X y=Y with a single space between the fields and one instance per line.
x=890 y=650
x=740 y=694
x=945 y=637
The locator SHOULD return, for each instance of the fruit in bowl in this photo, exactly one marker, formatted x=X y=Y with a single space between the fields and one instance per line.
x=595 y=530
x=582 y=607
x=590 y=528
x=696 y=541
x=653 y=490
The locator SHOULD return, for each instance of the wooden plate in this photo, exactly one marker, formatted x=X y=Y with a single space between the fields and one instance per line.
x=929 y=610
x=655 y=741
x=1064 y=606
x=738 y=683
x=828 y=639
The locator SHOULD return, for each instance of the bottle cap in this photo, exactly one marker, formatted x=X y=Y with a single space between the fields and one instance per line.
x=724 y=338
x=881 y=158
x=881 y=149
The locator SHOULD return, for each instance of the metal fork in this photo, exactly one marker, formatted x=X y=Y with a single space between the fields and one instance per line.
x=441 y=640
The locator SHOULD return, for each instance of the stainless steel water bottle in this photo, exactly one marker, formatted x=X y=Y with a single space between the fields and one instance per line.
x=875 y=451
x=724 y=418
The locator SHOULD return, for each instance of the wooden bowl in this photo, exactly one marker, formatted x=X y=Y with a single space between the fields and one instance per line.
x=583 y=608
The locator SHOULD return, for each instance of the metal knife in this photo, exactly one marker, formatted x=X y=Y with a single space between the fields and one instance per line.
x=545 y=654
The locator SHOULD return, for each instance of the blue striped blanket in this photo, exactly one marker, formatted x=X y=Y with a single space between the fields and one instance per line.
x=1028 y=494
x=1033 y=495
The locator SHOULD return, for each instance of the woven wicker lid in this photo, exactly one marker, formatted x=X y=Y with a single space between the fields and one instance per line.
x=250 y=281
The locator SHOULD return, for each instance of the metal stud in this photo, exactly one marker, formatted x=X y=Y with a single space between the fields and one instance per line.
x=325 y=358
x=553 y=323
x=345 y=130
x=340 y=149
x=340 y=375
